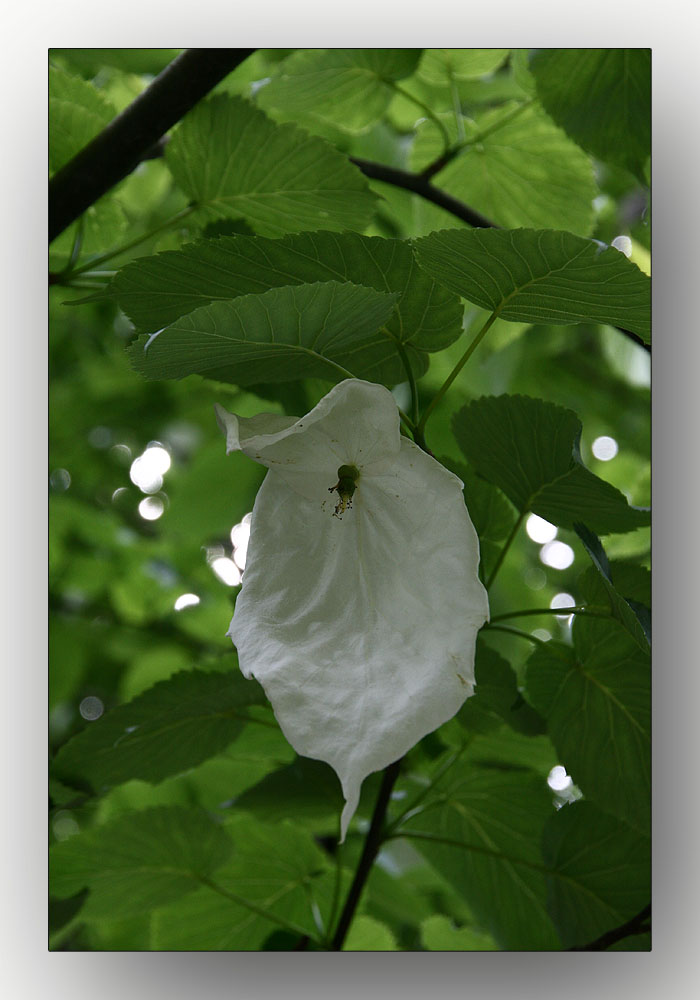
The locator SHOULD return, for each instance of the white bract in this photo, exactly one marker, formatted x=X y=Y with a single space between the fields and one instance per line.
x=360 y=601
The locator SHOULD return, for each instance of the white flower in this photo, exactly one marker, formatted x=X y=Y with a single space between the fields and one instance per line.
x=360 y=601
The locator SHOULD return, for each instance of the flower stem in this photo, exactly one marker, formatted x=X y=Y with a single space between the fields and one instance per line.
x=457 y=369
x=373 y=842
x=516 y=631
x=502 y=554
x=578 y=609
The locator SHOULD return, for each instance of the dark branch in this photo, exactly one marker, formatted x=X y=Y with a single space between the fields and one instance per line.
x=135 y=133
x=637 y=925
x=422 y=186
x=373 y=842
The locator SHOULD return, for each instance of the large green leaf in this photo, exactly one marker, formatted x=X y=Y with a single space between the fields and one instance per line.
x=233 y=161
x=155 y=291
x=483 y=835
x=532 y=276
x=600 y=872
x=601 y=98
x=596 y=700
x=140 y=861
x=327 y=330
x=516 y=167
x=173 y=726
x=349 y=87
x=529 y=448
x=276 y=869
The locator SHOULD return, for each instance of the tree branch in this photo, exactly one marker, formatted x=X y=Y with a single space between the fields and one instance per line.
x=637 y=925
x=134 y=134
x=421 y=185
x=373 y=842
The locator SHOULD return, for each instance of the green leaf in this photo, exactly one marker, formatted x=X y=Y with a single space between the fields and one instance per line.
x=531 y=276
x=326 y=330
x=631 y=580
x=439 y=66
x=516 y=167
x=155 y=291
x=173 y=726
x=529 y=449
x=275 y=869
x=349 y=87
x=484 y=838
x=438 y=933
x=233 y=161
x=491 y=514
x=601 y=98
x=600 y=872
x=368 y=934
x=305 y=790
x=77 y=113
x=140 y=861
x=596 y=700
x=497 y=698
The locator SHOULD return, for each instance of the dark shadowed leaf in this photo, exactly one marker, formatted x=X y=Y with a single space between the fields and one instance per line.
x=596 y=700
x=529 y=448
x=497 y=698
x=600 y=872
x=484 y=837
x=623 y=588
x=155 y=291
x=140 y=861
x=173 y=726
x=326 y=330
x=275 y=869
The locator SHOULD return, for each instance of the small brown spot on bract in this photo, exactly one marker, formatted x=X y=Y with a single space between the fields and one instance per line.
x=462 y=680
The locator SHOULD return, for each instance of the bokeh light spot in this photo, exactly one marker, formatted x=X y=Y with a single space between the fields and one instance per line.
x=91 y=708
x=558 y=555
x=604 y=448
x=540 y=530
x=151 y=508
x=226 y=570
x=186 y=601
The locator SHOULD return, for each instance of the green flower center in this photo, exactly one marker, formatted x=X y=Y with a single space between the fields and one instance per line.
x=345 y=488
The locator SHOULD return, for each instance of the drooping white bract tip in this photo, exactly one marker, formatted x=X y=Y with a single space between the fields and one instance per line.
x=361 y=601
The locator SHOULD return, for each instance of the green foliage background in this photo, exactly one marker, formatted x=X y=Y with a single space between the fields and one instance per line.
x=180 y=818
